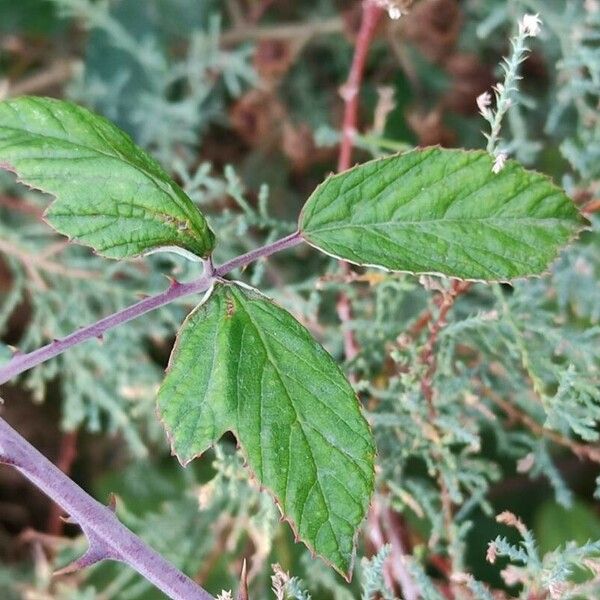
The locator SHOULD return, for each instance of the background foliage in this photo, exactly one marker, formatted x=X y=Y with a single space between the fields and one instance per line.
x=239 y=100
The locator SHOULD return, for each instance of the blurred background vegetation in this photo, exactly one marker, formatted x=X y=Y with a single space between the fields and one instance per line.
x=240 y=100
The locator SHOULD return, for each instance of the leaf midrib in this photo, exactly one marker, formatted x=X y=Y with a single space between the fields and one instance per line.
x=384 y=224
x=302 y=426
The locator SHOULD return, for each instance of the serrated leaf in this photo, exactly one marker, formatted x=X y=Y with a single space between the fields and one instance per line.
x=243 y=364
x=110 y=194
x=442 y=211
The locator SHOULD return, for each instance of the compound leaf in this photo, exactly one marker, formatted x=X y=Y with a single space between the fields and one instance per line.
x=243 y=364
x=442 y=211
x=110 y=194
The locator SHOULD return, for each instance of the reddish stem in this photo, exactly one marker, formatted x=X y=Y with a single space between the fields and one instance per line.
x=427 y=356
x=592 y=206
x=428 y=359
x=22 y=206
x=350 y=92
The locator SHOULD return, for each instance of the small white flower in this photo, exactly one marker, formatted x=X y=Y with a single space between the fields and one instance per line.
x=530 y=25
x=592 y=6
x=483 y=102
x=499 y=162
x=394 y=8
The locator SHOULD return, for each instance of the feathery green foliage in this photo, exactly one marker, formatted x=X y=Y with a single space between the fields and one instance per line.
x=165 y=77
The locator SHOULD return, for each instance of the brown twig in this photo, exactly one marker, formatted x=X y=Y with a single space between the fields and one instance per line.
x=350 y=92
x=592 y=206
x=243 y=588
x=28 y=262
x=34 y=264
x=56 y=74
x=428 y=359
x=235 y=12
x=513 y=412
x=427 y=355
x=22 y=206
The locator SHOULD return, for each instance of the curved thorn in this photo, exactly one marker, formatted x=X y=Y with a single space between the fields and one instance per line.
x=95 y=553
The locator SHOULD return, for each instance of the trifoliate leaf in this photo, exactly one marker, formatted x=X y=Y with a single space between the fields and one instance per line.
x=442 y=211
x=110 y=194
x=243 y=364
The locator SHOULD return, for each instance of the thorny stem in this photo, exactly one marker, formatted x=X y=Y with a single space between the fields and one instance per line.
x=66 y=457
x=108 y=537
x=245 y=259
x=350 y=92
x=23 y=362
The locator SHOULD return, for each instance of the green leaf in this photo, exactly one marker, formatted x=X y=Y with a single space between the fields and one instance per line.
x=243 y=364
x=442 y=211
x=110 y=194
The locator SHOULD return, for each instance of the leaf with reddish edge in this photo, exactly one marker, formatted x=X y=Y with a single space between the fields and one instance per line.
x=110 y=194
x=243 y=364
x=442 y=211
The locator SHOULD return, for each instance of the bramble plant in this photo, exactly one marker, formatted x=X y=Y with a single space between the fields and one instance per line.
x=241 y=363
x=463 y=331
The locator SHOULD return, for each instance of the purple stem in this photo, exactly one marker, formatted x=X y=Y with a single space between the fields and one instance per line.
x=108 y=537
x=245 y=259
x=23 y=362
